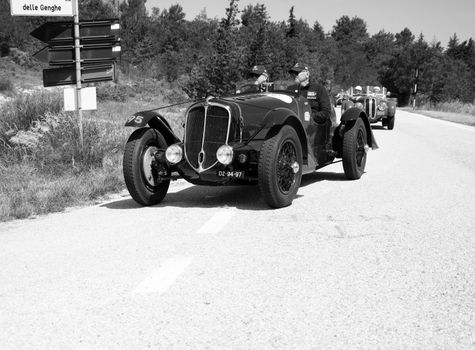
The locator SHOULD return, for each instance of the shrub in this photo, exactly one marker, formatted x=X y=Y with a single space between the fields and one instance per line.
x=112 y=92
x=450 y=107
x=21 y=112
x=6 y=85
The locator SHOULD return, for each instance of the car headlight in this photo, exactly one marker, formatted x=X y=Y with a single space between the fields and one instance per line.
x=359 y=105
x=382 y=106
x=224 y=154
x=174 y=154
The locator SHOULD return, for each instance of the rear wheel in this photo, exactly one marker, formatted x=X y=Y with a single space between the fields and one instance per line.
x=354 y=150
x=280 y=168
x=141 y=176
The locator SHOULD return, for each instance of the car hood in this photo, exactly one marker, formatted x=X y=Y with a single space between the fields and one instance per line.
x=253 y=109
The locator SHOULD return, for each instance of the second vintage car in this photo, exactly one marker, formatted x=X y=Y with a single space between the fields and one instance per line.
x=376 y=104
x=268 y=139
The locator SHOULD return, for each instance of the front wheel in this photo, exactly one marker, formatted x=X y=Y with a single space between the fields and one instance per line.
x=390 y=123
x=142 y=179
x=354 y=150
x=280 y=168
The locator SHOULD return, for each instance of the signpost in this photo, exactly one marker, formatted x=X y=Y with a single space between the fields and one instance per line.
x=66 y=75
x=77 y=52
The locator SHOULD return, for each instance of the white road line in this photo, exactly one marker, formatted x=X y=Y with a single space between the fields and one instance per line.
x=162 y=278
x=217 y=221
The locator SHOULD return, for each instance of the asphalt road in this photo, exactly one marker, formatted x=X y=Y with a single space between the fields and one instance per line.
x=387 y=261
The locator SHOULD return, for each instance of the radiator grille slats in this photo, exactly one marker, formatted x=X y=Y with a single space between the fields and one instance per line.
x=205 y=133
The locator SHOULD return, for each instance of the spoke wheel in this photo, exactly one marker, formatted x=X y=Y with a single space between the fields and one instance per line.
x=355 y=150
x=280 y=168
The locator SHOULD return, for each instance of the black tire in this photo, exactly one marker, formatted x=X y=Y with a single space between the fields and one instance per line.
x=280 y=168
x=140 y=178
x=391 y=123
x=354 y=150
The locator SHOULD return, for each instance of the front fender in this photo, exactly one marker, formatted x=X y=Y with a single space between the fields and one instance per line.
x=155 y=121
x=350 y=116
x=273 y=122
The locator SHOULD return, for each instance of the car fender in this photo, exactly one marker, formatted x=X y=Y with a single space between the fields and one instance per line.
x=276 y=119
x=155 y=121
x=350 y=116
x=346 y=104
x=391 y=108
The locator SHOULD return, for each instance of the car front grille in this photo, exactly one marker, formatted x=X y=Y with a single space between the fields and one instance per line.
x=206 y=129
x=370 y=107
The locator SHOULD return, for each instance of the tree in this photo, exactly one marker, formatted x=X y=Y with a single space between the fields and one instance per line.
x=134 y=31
x=254 y=36
x=352 y=65
x=222 y=68
x=96 y=9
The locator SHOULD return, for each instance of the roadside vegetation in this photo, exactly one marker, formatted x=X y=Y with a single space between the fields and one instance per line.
x=43 y=167
x=455 y=111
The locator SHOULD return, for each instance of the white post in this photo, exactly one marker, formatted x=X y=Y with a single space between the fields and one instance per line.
x=77 y=50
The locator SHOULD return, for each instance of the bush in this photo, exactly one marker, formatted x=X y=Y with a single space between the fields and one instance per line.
x=112 y=92
x=450 y=107
x=6 y=85
x=20 y=113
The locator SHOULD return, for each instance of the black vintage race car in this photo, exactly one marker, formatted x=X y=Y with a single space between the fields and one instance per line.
x=267 y=139
x=376 y=104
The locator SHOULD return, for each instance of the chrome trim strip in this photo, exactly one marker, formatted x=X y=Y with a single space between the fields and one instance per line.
x=206 y=105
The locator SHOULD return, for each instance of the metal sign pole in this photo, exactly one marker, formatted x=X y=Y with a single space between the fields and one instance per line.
x=77 y=50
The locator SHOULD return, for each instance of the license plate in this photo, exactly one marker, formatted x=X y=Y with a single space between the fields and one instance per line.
x=226 y=173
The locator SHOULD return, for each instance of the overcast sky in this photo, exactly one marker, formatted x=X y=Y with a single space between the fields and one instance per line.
x=435 y=19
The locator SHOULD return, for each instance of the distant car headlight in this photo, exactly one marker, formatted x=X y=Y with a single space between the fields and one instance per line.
x=224 y=154
x=174 y=154
x=359 y=105
x=382 y=106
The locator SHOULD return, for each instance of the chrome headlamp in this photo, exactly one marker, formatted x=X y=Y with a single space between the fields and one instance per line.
x=225 y=154
x=174 y=154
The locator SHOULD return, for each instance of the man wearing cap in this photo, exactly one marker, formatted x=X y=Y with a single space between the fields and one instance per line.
x=358 y=90
x=315 y=93
x=259 y=73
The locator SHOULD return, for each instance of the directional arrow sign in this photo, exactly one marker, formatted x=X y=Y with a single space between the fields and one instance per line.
x=65 y=54
x=63 y=32
x=67 y=75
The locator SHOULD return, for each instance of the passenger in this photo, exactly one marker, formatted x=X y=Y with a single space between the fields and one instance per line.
x=376 y=90
x=358 y=90
x=315 y=93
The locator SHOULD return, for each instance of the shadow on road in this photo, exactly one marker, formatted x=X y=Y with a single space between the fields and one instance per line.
x=318 y=176
x=241 y=197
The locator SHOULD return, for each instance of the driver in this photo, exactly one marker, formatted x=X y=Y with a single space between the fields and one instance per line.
x=260 y=84
x=358 y=90
x=259 y=72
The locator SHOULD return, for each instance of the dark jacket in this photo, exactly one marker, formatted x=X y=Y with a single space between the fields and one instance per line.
x=318 y=99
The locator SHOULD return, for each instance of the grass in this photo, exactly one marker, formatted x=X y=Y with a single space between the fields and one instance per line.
x=455 y=111
x=43 y=167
